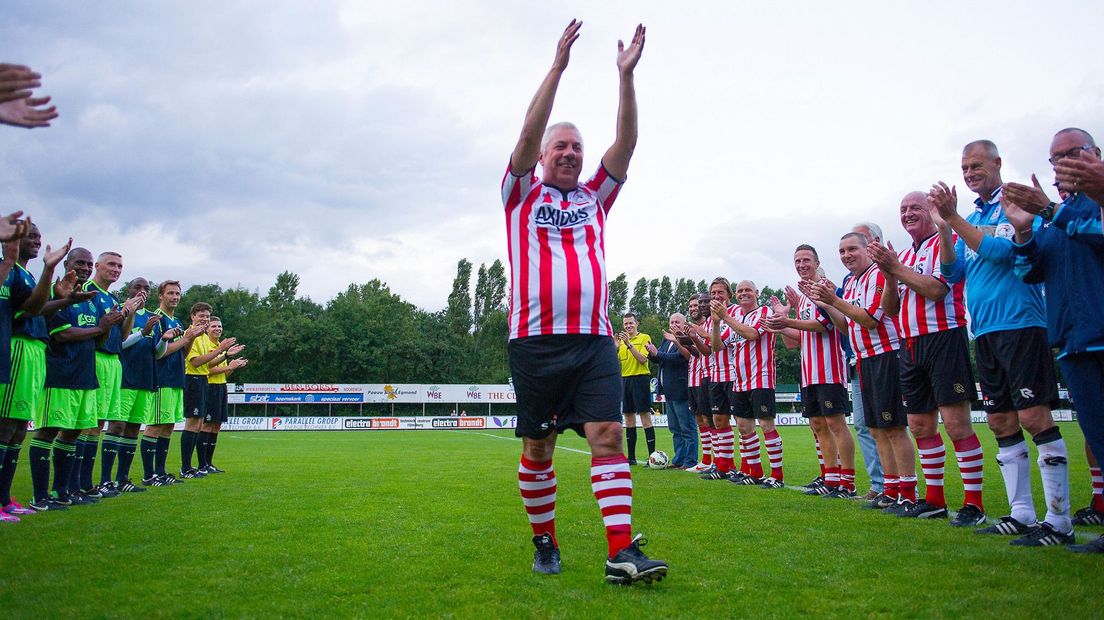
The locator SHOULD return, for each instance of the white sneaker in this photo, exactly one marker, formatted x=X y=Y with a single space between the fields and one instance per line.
x=700 y=467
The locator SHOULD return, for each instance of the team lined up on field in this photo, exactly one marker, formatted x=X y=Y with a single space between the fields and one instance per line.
x=91 y=370
x=901 y=319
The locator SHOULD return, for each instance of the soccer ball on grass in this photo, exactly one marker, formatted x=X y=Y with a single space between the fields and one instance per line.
x=658 y=460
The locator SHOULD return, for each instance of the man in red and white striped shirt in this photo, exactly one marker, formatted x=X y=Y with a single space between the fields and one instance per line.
x=823 y=377
x=753 y=356
x=698 y=380
x=562 y=356
x=873 y=336
x=936 y=378
x=722 y=373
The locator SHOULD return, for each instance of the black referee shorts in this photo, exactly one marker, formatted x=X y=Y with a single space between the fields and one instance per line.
x=195 y=396
x=563 y=381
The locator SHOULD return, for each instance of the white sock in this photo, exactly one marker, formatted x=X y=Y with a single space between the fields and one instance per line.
x=1054 y=467
x=1015 y=468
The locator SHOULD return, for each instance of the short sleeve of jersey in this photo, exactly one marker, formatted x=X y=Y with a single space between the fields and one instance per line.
x=757 y=320
x=515 y=188
x=605 y=186
x=200 y=346
x=21 y=288
x=61 y=320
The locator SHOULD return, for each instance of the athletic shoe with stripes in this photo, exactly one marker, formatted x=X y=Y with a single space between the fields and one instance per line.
x=1043 y=535
x=771 y=483
x=1007 y=526
x=923 y=510
x=46 y=505
x=126 y=486
x=822 y=489
x=842 y=493
x=630 y=565
x=1088 y=516
x=712 y=474
x=817 y=482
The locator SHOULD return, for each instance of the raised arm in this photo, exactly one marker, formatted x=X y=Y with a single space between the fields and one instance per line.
x=524 y=157
x=616 y=159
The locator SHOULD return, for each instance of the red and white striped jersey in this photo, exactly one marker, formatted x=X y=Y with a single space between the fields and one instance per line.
x=754 y=358
x=556 y=244
x=699 y=369
x=721 y=365
x=865 y=291
x=821 y=352
x=920 y=315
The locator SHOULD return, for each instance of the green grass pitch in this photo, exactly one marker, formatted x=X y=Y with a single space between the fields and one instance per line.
x=430 y=524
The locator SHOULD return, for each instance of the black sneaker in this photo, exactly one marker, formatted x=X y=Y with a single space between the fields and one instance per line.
x=881 y=501
x=712 y=474
x=155 y=481
x=1088 y=516
x=546 y=559
x=108 y=490
x=1095 y=545
x=81 y=499
x=923 y=510
x=93 y=493
x=969 y=516
x=211 y=469
x=841 y=493
x=126 y=486
x=46 y=505
x=817 y=482
x=167 y=480
x=822 y=489
x=1043 y=535
x=899 y=507
x=197 y=473
x=1007 y=526
x=185 y=474
x=630 y=565
x=750 y=481
x=771 y=483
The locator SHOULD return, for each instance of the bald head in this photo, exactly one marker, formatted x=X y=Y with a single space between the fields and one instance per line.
x=915 y=216
x=79 y=261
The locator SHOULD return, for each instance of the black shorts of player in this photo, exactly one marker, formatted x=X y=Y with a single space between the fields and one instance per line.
x=563 y=381
x=823 y=399
x=756 y=403
x=1015 y=370
x=195 y=396
x=699 y=400
x=636 y=394
x=880 y=385
x=720 y=397
x=216 y=403
x=935 y=370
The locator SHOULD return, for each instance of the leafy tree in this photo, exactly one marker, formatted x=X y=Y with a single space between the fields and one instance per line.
x=639 y=301
x=458 y=315
x=618 y=294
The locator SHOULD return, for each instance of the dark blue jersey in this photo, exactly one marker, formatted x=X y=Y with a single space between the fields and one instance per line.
x=6 y=328
x=22 y=286
x=138 y=359
x=169 y=369
x=105 y=302
x=72 y=365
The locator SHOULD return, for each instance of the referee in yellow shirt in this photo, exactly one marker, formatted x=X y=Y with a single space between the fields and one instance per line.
x=635 y=383
x=217 y=372
x=203 y=353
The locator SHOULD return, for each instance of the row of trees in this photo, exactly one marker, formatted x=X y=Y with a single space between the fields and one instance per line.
x=368 y=334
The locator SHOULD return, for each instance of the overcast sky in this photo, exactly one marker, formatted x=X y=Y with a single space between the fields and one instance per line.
x=226 y=141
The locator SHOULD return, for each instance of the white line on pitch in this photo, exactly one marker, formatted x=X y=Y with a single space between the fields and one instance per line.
x=516 y=439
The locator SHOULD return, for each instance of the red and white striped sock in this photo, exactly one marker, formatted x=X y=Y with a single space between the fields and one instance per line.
x=847 y=479
x=537 y=482
x=908 y=488
x=723 y=449
x=706 y=435
x=773 y=441
x=754 y=457
x=820 y=457
x=1097 y=488
x=893 y=487
x=832 y=477
x=933 y=458
x=611 y=481
x=970 y=461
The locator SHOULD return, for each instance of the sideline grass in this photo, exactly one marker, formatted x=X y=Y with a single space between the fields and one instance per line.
x=429 y=523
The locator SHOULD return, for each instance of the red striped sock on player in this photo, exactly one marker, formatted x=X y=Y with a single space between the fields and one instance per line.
x=933 y=458
x=892 y=487
x=611 y=481
x=970 y=460
x=537 y=482
x=754 y=456
x=847 y=479
x=908 y=488
x=723 y=448
x=706 y=435
x=832 y=477
x=820 y=457
x=773 y=441
x=1097 y=488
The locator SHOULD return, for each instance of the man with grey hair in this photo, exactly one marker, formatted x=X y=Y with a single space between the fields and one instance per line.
x=1015 y=371
x=565 y=369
